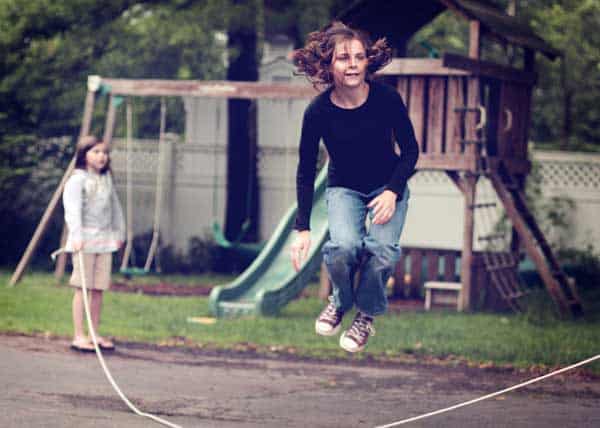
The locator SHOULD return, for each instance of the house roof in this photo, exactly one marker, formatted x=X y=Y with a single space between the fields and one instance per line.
x=398 y=21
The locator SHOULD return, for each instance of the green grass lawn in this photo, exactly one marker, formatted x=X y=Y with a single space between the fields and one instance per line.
x=38 y=305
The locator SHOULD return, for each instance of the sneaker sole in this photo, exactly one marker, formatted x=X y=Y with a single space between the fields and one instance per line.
x=353 y=350
x=327 y=333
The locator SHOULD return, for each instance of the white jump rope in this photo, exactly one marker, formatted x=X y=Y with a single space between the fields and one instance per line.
x=99 y=353
x=495 y=394
x=394 y=424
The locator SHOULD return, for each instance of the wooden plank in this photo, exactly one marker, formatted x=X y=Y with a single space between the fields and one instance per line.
x=433 y=267
x=416 y=259
x=435 y=114
x=416 y=109
x=450 y=266
x=399 y=282
x=419 y=67
x=455 y=98
x=474 y=39
x=526 y=120
x=515 y=166
x=523 y=103
x=207 y=88
x=505 y=116
x=448 y=162
x=470 y=183
x=489 y=69
x=109 y=126
x=472 y=118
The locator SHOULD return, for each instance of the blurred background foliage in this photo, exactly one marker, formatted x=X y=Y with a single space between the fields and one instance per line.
x=48 y=48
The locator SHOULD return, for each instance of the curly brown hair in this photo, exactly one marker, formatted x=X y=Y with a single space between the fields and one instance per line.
x=314 y=59
x=84 y=145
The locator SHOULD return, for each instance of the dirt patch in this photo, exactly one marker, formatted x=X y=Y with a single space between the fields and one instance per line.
x=162 y=289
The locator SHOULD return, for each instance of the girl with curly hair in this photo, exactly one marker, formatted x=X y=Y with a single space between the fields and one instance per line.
x=360 y=122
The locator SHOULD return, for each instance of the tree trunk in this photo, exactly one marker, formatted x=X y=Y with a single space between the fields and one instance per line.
x=242 y=189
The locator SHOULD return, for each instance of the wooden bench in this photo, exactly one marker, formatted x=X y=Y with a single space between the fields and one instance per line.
x=442 y=292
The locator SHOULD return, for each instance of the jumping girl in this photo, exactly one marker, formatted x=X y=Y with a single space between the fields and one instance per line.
x=360 y=121
x=96 y=226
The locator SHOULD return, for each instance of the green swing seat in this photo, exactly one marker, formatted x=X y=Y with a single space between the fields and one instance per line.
x=134 y=271
x=247 y=249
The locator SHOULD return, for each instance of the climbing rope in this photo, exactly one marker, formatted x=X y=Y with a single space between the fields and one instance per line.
x=99 y=353
x=492 y=395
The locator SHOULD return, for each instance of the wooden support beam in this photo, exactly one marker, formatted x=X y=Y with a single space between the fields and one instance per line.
x=466 y=271
x=456 y=179
x=109 y=126
x=207 y=88
x=419 y=67
x=474 y=39
x=56 y=197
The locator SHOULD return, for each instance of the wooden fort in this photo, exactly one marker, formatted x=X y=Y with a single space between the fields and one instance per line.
x=471 y=118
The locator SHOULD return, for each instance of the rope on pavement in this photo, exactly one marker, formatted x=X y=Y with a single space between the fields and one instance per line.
x=495 y=394
x=101 y=358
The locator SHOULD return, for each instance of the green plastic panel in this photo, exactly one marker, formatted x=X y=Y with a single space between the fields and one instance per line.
x=271 y=282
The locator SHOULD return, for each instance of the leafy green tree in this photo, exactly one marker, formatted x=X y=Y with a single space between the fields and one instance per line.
x=568 y=89
x=47 y=49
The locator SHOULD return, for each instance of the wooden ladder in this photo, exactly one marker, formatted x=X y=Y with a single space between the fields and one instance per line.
x=561 y=289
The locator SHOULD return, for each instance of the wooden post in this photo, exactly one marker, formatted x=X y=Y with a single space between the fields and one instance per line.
x=109 y=126
x=43 y=224
x=466 y=271
x=474 y=39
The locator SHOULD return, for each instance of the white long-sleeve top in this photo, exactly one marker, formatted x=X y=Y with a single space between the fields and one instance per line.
x=93 y=212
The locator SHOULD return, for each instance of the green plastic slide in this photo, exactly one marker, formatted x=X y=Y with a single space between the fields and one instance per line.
x=271 y=282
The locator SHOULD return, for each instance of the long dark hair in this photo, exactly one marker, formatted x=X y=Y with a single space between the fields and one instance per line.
x=84 y=145
x=314 y=59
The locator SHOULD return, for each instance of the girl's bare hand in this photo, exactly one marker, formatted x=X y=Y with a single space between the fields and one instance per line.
x=78 y=245
x=300 y=248
x=383 y=207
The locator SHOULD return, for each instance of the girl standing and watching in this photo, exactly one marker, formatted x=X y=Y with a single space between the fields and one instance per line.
x=96 y=226
x=360 y=121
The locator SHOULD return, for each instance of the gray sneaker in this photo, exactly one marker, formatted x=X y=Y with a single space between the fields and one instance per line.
x=330 y=320
x=355 y=338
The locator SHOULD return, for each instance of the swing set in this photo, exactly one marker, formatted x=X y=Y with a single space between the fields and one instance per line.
x=119 y=89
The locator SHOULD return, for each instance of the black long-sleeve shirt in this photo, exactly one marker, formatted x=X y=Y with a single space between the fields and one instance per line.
x=360 y=143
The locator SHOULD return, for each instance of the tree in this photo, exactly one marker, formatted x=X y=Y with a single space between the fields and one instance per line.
x=568 y=89
x=47 y=49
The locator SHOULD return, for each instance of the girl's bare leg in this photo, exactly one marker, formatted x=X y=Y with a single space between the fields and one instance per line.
x=78 y=314
x=96 y=308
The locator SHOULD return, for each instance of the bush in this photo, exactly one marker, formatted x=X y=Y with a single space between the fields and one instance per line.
x=203 y=255
x=582 y=265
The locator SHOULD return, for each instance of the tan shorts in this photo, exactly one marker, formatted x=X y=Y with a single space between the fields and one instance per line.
x=98 y=267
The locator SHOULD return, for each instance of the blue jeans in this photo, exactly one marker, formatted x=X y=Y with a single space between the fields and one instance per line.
x=351 y=247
